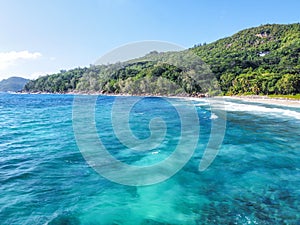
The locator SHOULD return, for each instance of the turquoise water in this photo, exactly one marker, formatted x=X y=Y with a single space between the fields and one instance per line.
x=44 y=179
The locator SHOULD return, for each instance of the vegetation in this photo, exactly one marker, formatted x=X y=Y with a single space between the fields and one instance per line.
x=261 y=60
x=13 y=84
x=171 y=73
x=295 y=97
x=57 y=83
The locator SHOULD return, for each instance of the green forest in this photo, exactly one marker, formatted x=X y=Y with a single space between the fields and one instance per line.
x=262 y=60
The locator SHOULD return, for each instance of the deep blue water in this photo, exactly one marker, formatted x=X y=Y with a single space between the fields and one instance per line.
x=44 y=178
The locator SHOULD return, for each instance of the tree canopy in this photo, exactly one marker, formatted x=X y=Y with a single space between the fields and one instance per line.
x=259 y=60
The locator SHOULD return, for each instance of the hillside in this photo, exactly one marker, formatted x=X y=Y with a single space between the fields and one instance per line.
x=260 y=60
x=171 y=73
x=13 y=84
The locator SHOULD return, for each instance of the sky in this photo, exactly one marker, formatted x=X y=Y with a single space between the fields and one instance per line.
x=43 y=37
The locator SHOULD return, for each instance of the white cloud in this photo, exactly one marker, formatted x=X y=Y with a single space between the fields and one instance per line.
x=10 y=58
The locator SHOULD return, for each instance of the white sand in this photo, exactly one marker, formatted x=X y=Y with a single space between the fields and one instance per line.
x=266 y=100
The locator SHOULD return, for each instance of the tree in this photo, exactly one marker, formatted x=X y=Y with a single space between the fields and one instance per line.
x=288 y=84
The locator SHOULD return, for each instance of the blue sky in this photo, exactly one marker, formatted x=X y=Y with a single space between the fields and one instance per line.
x=40 y=37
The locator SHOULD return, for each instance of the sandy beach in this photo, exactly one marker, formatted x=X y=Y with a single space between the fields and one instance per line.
x=267 y=100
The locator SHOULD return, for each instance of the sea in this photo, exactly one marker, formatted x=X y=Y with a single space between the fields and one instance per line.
x=147 y=160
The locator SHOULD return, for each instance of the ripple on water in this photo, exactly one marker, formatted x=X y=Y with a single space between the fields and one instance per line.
x=45 y=180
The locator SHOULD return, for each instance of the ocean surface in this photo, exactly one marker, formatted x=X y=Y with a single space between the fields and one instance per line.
x=45 y=179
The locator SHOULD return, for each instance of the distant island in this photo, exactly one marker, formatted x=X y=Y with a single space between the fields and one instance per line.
x=263 y=60
x=13 y=84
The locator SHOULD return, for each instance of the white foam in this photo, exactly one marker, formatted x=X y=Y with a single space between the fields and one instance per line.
x=221 y=104
x=257 y=109
x=213 y=116
x=202 y=104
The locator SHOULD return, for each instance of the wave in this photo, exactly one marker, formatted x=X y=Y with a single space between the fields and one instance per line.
x=258 y=109
x=275 y=111
x=213 y=116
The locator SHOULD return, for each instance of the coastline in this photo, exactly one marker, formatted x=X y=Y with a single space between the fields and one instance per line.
x=251 y=98
x=266 y=100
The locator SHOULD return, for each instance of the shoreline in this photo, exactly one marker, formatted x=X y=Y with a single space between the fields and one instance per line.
x=196 y=96
x=266 y=100
x=251 y=98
